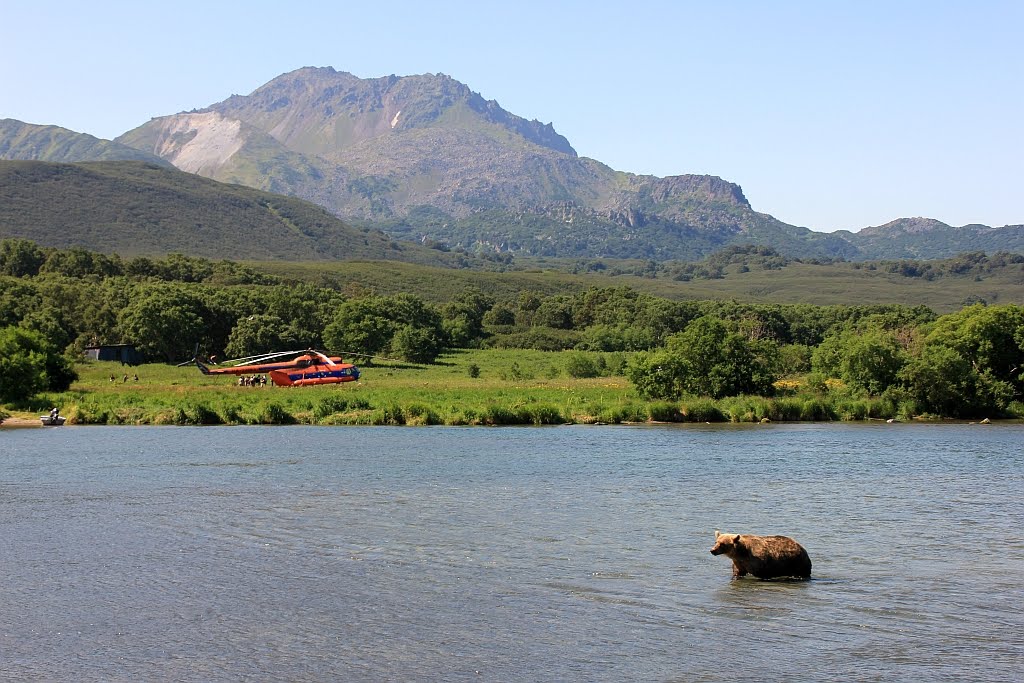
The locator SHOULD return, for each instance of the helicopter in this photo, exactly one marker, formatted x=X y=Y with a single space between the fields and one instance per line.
x=301 y=369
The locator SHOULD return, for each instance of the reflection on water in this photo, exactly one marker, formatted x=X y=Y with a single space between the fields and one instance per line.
x=571 y=553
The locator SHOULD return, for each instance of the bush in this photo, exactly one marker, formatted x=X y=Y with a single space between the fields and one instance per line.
x=701 y=410
x=203 y=415
x=499 y=415
x=815 y=410
x=391 y=414
x=582 y=365
x=329 y=405
x=275 y=414
x=629 y=412
x=706 y=359
x=539 y=338
x=30 y=364
x=781 y=410
x=417 y=344
x=539 y=414
x=662 y=411
x=418 y=414
x=233 y=415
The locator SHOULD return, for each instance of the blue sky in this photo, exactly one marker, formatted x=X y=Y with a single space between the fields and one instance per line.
x=830 y=115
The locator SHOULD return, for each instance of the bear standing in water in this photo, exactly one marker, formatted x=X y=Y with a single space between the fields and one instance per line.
x=766 y=557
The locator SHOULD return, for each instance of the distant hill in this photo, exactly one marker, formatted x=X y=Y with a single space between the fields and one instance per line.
x=926 y=238
x=26 y=141
x=135 y=208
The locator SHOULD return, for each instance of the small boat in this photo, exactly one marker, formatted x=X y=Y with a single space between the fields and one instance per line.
x=50 y=421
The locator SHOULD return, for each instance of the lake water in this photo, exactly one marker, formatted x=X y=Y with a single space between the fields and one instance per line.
x=513 y=554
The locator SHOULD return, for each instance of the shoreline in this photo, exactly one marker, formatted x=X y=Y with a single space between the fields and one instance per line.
x=14 y=421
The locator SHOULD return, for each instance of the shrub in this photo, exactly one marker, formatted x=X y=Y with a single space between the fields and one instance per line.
x=743 y=409
x=706 y=359
x=233 y=415
x=418 y=414
x=539 y=414
x=581 y=365
x=275 y=414
x=780 y=410
x=815 y=410
x=629 y=412
x=203 y=415
x=664 y=411
x=701 y=410
x=391 y=414
x=30 y=364
x=499 y=415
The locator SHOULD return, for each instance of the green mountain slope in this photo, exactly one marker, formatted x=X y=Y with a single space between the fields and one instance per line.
x=26 y=141
x=926 y=238
x=134 y=208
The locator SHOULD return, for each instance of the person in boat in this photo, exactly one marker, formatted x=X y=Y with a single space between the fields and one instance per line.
x=54 y=413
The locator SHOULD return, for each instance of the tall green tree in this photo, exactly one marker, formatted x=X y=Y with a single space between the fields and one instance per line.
x=991 y=338
x=359 y=326
x=402 y=324
x=868 y=360
x=706 y=359
x=970 y=363
x=943 y=382
x=30 y=364
x=256 y=334
x=163 y=321
x=20 y=257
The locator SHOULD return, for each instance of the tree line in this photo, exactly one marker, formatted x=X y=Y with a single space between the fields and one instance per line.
x=57 y=302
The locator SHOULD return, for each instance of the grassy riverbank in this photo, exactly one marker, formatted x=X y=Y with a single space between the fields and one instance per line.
x=509 y=387
x=492 y=387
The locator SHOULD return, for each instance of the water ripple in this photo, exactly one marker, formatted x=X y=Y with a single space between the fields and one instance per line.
x=495 y=555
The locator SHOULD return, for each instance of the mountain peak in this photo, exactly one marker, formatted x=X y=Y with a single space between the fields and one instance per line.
x=323 y=111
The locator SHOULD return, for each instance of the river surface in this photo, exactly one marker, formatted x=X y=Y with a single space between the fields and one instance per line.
x=511 y=554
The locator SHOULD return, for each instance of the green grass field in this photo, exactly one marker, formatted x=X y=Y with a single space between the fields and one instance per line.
x=510 y=387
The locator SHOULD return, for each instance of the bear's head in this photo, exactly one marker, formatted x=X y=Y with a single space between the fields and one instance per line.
x=725 y=544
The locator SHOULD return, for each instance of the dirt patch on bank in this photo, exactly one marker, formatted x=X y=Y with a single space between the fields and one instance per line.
x=20 y=422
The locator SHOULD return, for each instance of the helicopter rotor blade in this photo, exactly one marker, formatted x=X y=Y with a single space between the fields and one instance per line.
x=366 y=355
x=256 y=360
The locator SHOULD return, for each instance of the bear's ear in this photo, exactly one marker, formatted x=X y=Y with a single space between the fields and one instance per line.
x=736 y=541
x=717 y=533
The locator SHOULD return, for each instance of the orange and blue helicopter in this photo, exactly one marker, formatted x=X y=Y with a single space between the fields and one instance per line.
x=289 y=368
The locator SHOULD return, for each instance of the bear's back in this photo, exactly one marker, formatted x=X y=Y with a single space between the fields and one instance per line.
x=777 y=556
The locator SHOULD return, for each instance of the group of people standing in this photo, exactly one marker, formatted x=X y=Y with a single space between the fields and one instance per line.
x=252 y=380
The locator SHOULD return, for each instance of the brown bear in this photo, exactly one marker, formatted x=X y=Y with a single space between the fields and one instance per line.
x=766 y=557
